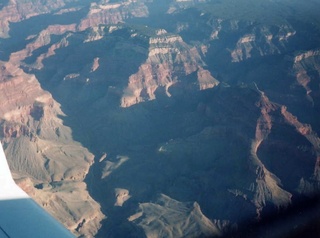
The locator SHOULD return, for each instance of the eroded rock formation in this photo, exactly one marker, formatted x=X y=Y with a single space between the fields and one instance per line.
x=104 y=12
x=42 y=153
x=170 y=59
x=171 y=218
x=212 y=102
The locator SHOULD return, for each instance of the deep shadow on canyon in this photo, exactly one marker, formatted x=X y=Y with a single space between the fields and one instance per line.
x=192 y=146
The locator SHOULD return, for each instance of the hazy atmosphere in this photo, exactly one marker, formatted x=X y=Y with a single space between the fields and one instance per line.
x=165 y=118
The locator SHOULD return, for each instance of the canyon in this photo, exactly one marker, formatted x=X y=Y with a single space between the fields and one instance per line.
x=154 y=118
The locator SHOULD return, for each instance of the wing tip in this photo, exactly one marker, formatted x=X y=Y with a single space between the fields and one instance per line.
x=8 y=188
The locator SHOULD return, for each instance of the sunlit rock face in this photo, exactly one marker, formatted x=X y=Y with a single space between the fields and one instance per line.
x=171 y=218
x=43 y=39
x=262 y=41
x=105 y=12
x=306 y=68
x=41 y=150
x=169 y=60
x=188 y=118
x=31 y=114
x=16 y=11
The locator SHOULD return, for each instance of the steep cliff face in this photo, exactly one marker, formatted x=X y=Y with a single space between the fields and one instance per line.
x=43 y=39
x=200 y=128
x=306 y=131
x=100 y=12
x=307 y=71
x=267 y=187
x=179 y=5
x=39 y=146
x=169 y=60
x=262 y=41
x=243 y=32
x=16 y=11
x=30 y=112
x=242 y=39
x=104 y=12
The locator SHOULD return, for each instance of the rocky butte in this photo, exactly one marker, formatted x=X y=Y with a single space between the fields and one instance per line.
x=149 y=118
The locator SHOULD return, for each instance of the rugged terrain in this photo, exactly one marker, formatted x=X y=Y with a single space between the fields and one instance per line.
x=164 y=118
x=47 y=163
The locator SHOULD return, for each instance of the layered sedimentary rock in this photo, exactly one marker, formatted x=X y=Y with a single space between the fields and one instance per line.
x=262 y=41
x=306 y=131
x=16 y=11
x=104 y=12
x=209 y=148
x=41 y=148
x=307 y=70
x=44 y=38
x=169 y=60
x=267 y=187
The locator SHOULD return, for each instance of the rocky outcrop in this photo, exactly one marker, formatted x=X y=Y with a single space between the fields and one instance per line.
x=19 y=91
x=305 y=66
x=169 y=60
x=262 y=41
x=170 y=218
x=306 y=131
x=104 y=12
x=109 y=167
x=97 y=33
x=41 y=148
x=41 y=40
x=121 y=195
x=28 y=106
x=95 y=64
x=226 y=148
x=267 y=187
x=178 y=5
x=69 y=202
x=18 y=10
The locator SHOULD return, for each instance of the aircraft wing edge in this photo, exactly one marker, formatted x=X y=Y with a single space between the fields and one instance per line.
x=20 y=215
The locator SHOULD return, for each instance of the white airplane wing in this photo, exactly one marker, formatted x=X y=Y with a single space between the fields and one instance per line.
x=20 y=216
